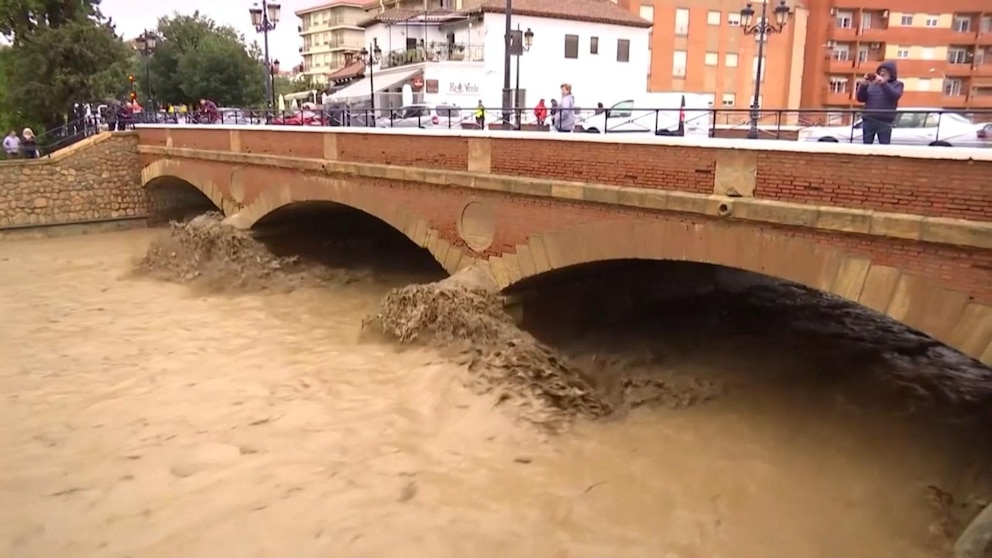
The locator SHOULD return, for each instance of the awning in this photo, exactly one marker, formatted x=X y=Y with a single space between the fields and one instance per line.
x=300 y=95
x=360 y=88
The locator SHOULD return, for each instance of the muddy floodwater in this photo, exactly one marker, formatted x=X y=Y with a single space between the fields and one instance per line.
x=146 y=418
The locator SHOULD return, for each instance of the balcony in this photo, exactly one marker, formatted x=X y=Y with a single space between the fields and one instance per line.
x=843 y=67
x=838 y=98
x=434 y=52
x=954 y=101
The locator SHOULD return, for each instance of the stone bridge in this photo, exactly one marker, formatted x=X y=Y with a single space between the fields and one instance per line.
x=904 y=231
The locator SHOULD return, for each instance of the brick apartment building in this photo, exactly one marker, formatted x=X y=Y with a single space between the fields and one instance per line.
x=944 y=51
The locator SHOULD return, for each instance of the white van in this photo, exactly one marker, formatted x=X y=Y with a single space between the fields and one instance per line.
x=664 y=114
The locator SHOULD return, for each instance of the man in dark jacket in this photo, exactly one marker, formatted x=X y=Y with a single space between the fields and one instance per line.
x=880 y=93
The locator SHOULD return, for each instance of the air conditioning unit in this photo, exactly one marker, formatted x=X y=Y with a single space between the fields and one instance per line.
x=874 y=46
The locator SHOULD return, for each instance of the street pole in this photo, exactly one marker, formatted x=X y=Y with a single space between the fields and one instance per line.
x=270 y=93
x=148 y=80
x=265 y=19
x=516 y=88
x=507 y=92
x=752 y=132
x=761 y=29
x=371 y=62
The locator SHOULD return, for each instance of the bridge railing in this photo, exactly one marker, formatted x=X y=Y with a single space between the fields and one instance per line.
x=50 y=141
x=932 y=126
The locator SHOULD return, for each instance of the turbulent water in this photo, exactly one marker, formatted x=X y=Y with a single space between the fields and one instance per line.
x=197 y=392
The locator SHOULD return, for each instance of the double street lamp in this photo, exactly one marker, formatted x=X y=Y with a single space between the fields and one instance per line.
x=145 y=44
x=519 y=49
x=370 y=57
x=761 y=29
x=265 y=18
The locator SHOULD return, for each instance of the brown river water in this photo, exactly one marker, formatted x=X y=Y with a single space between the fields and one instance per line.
x=151 y=418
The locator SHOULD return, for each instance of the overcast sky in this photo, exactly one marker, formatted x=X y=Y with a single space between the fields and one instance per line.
x=134 y=16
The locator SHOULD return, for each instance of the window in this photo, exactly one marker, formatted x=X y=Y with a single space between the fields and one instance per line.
x=682 y=21
x=907 y=20
x=729 y=100
x=844 y=20
x=710 y=99
x=754 y=68
x=841 y=52
x=838 y=84
x=647 y=12
x=986 y=25
x=953 y=86
x=866 y=20
x=730 y=60
x=862 y=54
x=712 y=59
x=679 y=58
x=623 y=50
x=713 y=18
x=571 y=46
x=958 y=55
x=902 y=53
x=733 y=19
x=593 y=45
x=933 y=21
x=924 y=84
x=927 y=53
x=623 y=109
x=962 y=24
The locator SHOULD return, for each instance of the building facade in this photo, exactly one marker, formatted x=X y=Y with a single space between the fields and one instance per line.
x=943 y=51
x=329 y=33
x=456 y=55
x=699 y=46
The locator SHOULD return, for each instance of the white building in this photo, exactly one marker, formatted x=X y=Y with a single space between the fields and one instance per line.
x=457 y=56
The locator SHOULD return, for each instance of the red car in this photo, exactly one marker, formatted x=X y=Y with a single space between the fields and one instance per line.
x=301 y=118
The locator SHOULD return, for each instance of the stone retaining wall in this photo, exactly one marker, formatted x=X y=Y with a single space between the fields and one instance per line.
x=96 y=179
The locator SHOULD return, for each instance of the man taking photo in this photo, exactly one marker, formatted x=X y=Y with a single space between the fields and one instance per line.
x=880 y=93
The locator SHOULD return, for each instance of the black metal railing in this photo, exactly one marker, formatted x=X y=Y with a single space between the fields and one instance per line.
x=50 y=141
x=835 y=125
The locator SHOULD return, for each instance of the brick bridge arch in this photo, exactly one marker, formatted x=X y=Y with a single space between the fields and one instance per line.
x=950 y=316
x=165 y=170
x=244 y=214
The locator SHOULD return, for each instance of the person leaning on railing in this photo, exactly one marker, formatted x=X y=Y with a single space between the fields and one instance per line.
x=12 y=145
x=29 y=144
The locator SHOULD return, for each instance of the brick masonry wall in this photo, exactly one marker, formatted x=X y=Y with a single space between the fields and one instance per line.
x=98 y=179
x=930 y=187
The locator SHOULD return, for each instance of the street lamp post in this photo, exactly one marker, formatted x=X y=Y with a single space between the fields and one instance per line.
x=761 y=29
x=528 y=41
x=146 y=43
x=371 y=57
x=507 y=55
x=265 y=18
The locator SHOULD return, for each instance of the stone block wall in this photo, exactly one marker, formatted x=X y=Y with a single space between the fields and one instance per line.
x=97 y=179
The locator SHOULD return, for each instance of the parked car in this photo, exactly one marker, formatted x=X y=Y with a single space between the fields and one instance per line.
x=985 y=135
x=301 y=118
x=661 y=114
x=912 y=126
x=423 y=116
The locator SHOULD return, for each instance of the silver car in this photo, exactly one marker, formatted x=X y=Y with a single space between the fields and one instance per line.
x=423 y=116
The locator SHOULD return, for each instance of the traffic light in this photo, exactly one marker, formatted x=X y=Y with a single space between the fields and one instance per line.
x=131 y=78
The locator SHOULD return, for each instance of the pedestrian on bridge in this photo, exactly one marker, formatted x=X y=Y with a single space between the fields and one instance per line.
x=880 y=92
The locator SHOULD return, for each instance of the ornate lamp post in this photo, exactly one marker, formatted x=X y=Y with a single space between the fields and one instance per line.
x=761 y=29
x=146 y=43
x=265 y=18
x=519 y=50
x=372 y=56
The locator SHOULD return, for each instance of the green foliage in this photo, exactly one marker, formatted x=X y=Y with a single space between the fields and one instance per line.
x=196 y=58
x=62 y=53
x=285 y=86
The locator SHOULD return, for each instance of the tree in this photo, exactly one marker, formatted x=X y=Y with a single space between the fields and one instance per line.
x=62 y=52
x=285 y=86
x=196 y=58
